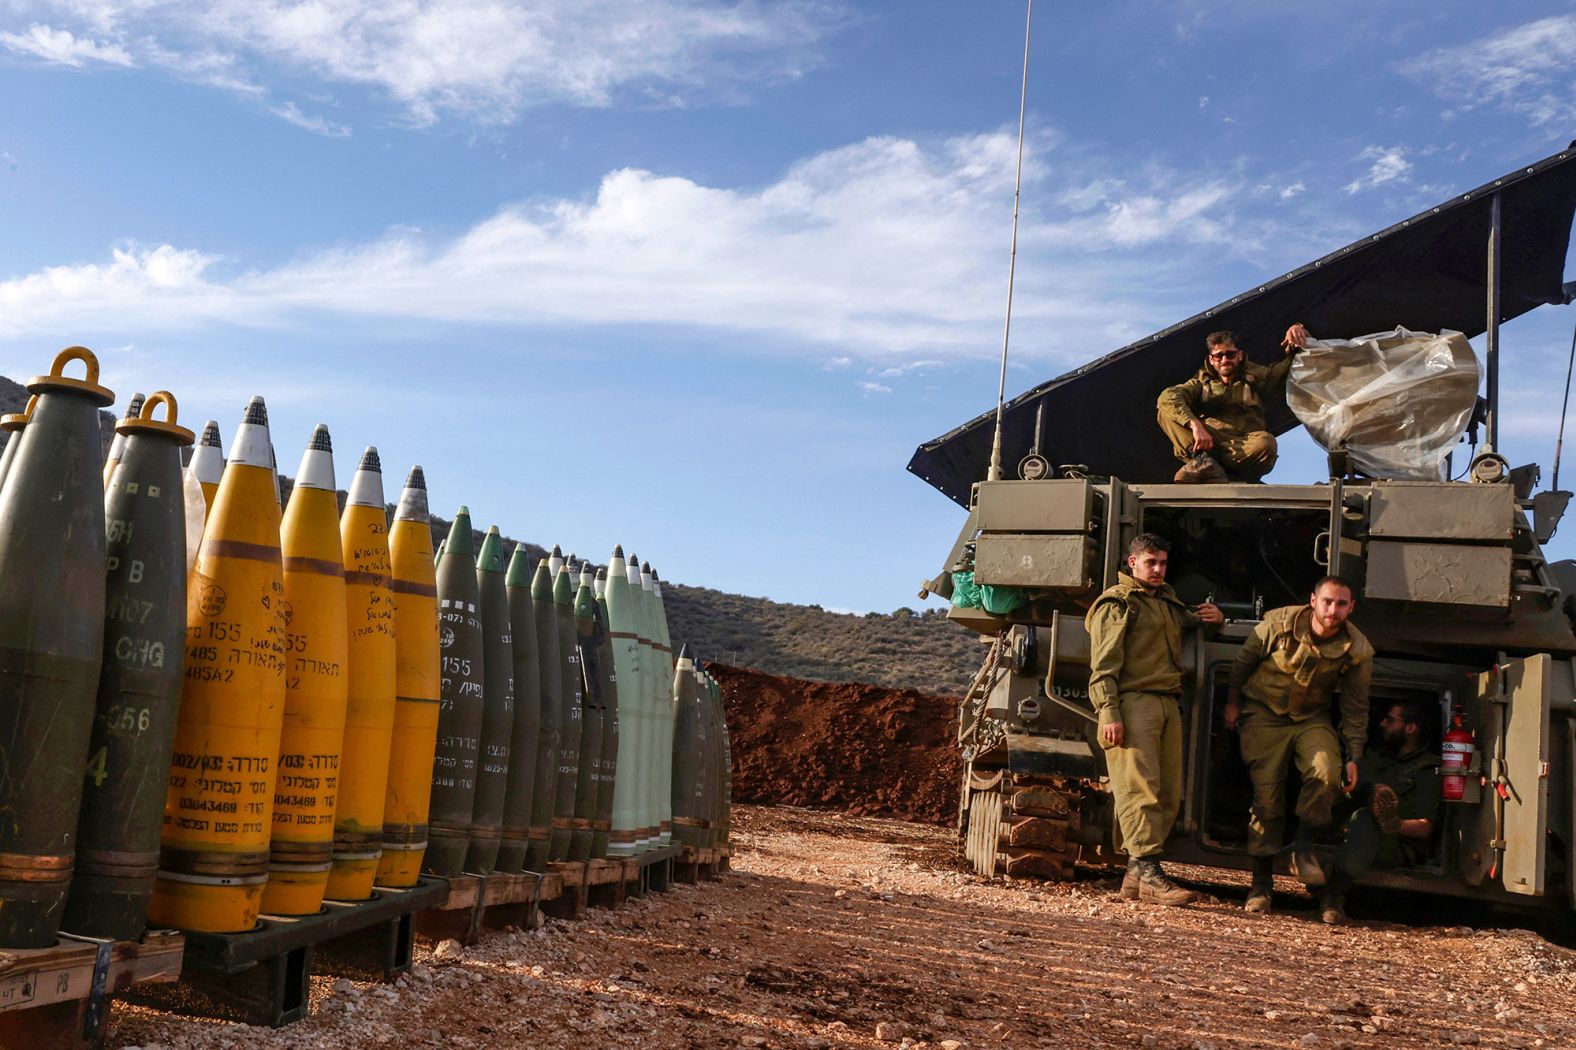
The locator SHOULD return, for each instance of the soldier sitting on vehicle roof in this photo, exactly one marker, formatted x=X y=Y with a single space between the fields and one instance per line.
x=1215 y=421
x=1393 y=829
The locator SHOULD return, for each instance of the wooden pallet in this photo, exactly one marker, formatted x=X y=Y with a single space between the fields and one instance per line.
x=60 y=997
x=475 y=902
x=695 y=863
x=263 y=976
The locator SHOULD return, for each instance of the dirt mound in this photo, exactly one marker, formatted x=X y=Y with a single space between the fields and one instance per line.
x=862 y=749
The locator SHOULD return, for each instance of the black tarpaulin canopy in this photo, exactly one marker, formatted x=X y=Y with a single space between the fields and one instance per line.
x=1427 y=273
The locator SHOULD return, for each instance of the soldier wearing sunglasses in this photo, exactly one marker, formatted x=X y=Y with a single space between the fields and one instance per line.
x=1215 y=421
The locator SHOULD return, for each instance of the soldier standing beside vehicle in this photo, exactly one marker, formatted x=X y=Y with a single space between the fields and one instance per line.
x=1290 y=669
x=1135 y=680
x=1215 y=421
x=1401 y=781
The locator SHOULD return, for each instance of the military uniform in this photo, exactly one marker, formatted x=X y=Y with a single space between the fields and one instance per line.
x=1286 y=679
x=1233 y=413
x=1415 y=779
x=1135 y=677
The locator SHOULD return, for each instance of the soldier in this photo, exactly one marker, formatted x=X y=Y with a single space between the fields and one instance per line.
x=1393 y=829
x=1292 y=665
x=1135 y=678
x=1215 y=421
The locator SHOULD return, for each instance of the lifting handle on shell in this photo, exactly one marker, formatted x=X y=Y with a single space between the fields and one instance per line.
x=75 y=353
x=159 y=397
x=58 y=380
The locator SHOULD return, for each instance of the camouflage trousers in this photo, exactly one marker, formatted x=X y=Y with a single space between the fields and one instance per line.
x=1146 y=771
x=1245 y=455
x=1270 y=744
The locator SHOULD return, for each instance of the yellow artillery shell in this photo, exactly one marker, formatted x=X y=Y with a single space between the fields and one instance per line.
x=369 y=715
x=217 y=814
x=315 y=689
x=408 y=800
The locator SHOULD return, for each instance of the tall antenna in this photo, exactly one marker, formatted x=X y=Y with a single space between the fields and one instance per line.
x=1012 y=265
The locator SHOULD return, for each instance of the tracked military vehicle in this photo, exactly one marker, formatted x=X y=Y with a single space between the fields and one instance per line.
x=1453 y=588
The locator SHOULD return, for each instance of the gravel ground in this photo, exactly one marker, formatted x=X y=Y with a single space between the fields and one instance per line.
x=836 y=931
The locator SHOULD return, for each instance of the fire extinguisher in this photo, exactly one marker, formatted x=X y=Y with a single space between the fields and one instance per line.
x=1459 y=746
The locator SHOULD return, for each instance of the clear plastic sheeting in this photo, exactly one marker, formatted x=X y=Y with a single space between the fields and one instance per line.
x=1396 y=401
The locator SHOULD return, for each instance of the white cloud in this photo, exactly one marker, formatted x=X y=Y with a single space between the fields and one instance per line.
x=874 y=388
x=837 y=364
x=1528 y=70
x=1203 y=102
x=1291 y=191
x=898 y=371
x=484 y=59
x=61 y=47
x=1389 y=165
x=882 y=247
x=316 y=124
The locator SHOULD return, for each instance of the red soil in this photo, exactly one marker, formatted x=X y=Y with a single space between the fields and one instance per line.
x=861 y=749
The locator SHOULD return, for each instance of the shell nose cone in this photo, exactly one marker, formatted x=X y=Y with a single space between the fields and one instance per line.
x=321 y=442
x=256 y=412
x=134 y=406
x=413 y=499
x=416 y=479
x=366 y=488
x=557 y=552
x=618 y=550
x=210 y=434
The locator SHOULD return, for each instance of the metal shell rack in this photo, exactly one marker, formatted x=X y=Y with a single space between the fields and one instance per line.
x=263 y=976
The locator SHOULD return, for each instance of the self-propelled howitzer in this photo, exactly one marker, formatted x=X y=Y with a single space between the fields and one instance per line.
x=1451 y=582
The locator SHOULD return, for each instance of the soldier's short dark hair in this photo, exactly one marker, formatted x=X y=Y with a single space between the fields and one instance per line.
x=1224 y=337
x=1148 y=543
x=1413 y=711
x=1339 y=581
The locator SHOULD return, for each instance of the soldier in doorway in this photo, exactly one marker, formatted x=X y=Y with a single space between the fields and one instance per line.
x=1283 y=682
x=1215 y=421
x=1400 y=786
x=1135 y=680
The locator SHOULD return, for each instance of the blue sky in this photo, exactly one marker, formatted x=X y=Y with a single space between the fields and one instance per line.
x=696 y=277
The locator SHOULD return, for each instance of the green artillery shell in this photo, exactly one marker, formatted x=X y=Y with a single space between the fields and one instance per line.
x=492 y=776
x=662 y=642
x=544 y=791
x=587 y=779
x=527 y=715
x=689 y=746
x=51 y=643
x=727 y=761
x=607 y=777
x=623 y=632
x=13 y=423
x=569 y=727
x=460 y=701
x=139 y=689
x=712 y=808
x=651 y=693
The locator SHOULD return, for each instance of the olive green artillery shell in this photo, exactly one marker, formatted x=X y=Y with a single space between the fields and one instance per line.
x=689 y=745
x=139 y=691
x=607 y=778
x=727 y=764
x=51 y=643
x=460 y=697
x=711 y=812
x=527 y=717
x=550 y=673
x=587 y=778
x=569 y=727
x=492 y=774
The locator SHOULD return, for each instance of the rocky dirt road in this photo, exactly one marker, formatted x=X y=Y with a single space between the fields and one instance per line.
x=837 y=931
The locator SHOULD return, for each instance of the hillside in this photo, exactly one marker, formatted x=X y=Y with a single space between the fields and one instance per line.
x=901 y=650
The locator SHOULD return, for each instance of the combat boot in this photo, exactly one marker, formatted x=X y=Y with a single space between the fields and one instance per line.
x=1200 y=469
x=1307 y=866
x=1261 y=894
x=1129 y=889
x=1332 y=903
x=1155 y=888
